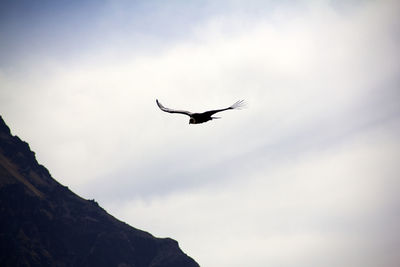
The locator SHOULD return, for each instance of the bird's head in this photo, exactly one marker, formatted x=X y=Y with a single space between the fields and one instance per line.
x=192 y=121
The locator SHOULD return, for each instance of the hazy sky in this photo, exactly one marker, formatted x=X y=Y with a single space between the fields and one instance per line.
x=307 y=175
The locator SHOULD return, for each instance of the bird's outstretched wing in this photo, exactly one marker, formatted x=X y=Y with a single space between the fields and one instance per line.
x=172 y=110
x=237 y=105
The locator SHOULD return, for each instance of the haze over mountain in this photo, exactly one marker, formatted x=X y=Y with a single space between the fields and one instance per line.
x=43 y=223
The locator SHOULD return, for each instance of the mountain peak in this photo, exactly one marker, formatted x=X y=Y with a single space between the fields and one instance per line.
x=3 y=127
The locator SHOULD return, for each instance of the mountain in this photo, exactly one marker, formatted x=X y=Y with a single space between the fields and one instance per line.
x=43 y=223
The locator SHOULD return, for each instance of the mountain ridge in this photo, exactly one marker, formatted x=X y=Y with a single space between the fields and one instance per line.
x=43 y=223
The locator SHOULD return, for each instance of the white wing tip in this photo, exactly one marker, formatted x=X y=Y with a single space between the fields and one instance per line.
x=239 y=105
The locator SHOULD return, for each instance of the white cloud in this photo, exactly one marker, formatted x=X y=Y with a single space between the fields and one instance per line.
x=325 y=209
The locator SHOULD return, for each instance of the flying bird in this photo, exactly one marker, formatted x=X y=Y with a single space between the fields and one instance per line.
x=196 y=118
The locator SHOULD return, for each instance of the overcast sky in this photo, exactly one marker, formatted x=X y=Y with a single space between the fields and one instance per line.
x=307 y=175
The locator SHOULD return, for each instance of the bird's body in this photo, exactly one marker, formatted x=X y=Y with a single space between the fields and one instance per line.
x=196 y=118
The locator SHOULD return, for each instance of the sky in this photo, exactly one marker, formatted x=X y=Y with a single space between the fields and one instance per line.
x=306 y=175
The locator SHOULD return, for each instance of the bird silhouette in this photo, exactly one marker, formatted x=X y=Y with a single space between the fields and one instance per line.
x=196 y=118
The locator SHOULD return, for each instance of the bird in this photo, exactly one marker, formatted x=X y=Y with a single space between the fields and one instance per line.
x=196 y=118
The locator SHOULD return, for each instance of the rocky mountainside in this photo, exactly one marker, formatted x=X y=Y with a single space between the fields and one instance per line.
x=43 y=223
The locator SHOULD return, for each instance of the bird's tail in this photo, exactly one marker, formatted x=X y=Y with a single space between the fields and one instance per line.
x=238 y=105
x=213 y=118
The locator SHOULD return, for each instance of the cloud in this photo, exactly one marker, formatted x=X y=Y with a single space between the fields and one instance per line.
x=326 y=208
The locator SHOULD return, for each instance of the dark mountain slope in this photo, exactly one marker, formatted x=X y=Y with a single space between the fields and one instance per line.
x=43 y=223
